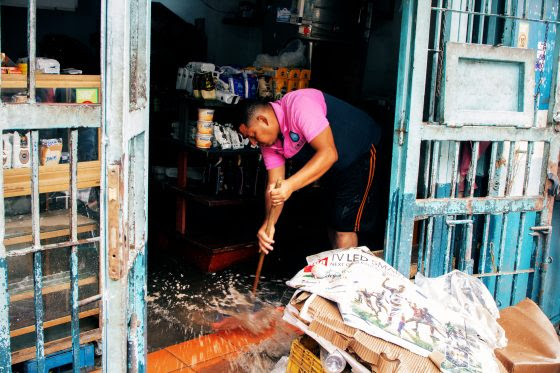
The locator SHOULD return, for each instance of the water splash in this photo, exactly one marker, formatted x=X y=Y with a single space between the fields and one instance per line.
x=186 y=306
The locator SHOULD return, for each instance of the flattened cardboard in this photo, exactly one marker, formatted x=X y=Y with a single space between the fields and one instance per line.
x=383 y=356
x=369 y=349
x=322 y=329
x=533 y=345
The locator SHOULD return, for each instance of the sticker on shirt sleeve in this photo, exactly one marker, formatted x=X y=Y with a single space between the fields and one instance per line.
x=294 y=136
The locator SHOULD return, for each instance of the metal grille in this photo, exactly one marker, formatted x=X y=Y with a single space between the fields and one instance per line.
x=34 y=116
x=474 y=196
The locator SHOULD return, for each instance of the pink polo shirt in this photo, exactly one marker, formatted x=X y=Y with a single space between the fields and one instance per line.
x=302 y=115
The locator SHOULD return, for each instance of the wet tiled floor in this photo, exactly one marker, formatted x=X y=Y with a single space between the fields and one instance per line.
x=213 y=352
x=180 y=299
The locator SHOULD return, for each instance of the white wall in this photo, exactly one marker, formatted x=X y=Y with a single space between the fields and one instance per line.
x=227 y=44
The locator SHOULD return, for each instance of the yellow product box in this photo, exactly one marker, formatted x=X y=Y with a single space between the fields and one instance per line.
x=87 y=96
x=294 y=74
x=292 y=85
x=303 y=83
x=305 y=74
x=281 y=73
x=280 y=88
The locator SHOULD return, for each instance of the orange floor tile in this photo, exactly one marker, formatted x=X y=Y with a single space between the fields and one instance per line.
x=163 y=361
x=201 y=349
x=220 y=364
x=206 y=354
x=240 y=338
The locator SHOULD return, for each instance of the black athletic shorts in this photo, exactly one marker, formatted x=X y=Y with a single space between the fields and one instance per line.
x=349 y=195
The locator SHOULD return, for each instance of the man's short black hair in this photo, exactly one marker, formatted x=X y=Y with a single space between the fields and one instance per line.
x=247 y=109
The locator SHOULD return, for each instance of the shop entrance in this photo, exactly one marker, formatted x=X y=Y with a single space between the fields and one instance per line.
x=206 y=205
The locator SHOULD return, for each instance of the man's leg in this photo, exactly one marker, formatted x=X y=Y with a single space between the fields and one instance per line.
x=345 y=240
x=350 y=191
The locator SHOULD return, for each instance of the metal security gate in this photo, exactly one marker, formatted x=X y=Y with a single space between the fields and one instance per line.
x=476 y=146
x=126 y=117
x=116 y=236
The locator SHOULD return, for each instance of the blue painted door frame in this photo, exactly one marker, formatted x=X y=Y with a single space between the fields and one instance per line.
x=123 y=120
x=126 y=46
x=470 y=176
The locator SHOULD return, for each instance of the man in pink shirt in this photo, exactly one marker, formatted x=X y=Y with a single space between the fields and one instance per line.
x=335 y=140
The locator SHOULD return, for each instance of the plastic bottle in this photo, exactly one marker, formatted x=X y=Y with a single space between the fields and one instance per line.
x=334 y=362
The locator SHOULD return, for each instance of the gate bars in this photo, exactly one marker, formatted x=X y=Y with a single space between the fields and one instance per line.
x=458 y=230
x=33 y=116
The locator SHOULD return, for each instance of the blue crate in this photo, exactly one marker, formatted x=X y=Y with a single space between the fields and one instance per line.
x=62 y=358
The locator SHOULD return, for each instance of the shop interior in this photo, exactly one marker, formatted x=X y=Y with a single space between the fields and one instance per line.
x=205 y=201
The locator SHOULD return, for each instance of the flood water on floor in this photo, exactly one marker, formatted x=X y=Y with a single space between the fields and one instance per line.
x=183 y=302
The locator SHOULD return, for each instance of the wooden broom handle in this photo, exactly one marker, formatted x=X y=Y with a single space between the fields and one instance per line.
x=267 y=231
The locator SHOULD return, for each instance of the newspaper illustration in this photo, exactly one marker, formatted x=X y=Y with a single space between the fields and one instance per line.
x=375 y=298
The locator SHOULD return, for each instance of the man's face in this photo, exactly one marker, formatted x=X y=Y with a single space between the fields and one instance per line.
x=260 y=130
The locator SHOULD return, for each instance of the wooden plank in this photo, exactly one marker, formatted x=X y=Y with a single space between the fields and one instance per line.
x=51 y=323
x=52 y=289
x=55 y=346
x=53 y=178
x=48 y=235
x=53 y=224
x=52 y=81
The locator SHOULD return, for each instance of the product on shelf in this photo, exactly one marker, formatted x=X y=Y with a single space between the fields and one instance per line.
x=205 y=128
x=51 y=151
x=292 y=85
x=20 y=157
x=206 y=115
x=305 y=74
x=280 y=88
x=207 y=87
x=227 y=97
x=19 y=98
x=44 y=65
x=265 y=87
x=222 y=136
x=274 y=83
x=228 y=84
x=7 y=140
x=203 y=141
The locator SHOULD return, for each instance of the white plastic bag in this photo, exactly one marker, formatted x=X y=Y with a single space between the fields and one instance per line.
x=468 y=296
x=291 y=56
x=281 y=365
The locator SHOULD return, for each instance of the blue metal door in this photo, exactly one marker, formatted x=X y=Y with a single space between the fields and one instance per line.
x=102 y=273
x=476 y=146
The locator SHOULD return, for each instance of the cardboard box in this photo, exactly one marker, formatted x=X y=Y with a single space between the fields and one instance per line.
x=324 y=320
x=533 y=344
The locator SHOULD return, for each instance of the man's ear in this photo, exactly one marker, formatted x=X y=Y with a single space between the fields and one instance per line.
x=262 y=118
